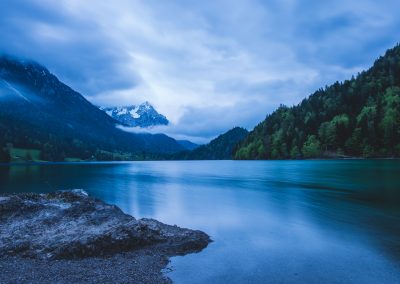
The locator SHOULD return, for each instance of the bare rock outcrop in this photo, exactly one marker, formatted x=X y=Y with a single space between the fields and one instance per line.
x=71 y=224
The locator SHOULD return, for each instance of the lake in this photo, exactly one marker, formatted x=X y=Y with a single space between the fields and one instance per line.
x=271 y=221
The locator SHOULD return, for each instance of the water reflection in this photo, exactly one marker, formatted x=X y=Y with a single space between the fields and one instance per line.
x=283 y=221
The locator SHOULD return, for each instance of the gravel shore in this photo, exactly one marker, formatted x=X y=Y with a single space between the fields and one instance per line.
x=139 y=266
x=69 y=237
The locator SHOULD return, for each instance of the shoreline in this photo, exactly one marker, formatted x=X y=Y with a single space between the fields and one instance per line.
x=69 y=237
x=127 y=162
x=140 y=266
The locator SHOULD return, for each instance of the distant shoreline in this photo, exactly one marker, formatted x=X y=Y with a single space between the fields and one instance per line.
x=127 y=162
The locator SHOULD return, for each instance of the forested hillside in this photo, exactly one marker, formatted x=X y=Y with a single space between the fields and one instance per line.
x=358 y=117
x=221 y=148
x=41 y=118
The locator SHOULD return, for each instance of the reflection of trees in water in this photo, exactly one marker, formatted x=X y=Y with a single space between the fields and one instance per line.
x=27 y=173
x=4 y=174
x=19 y=178
x=369 y=216
x=384 y=230
x=356 y=200
x=359 y=199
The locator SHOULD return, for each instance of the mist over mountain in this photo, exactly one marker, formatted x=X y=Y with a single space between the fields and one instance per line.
x=357 y=117
x=37 y=111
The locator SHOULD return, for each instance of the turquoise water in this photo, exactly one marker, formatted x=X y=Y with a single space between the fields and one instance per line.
x=271 y=221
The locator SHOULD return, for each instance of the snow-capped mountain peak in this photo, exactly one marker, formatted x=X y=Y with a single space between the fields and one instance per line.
x=143 y=115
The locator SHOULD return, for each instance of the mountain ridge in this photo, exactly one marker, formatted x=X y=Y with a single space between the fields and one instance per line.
x=359 y=117
x=188 y=145
x=143 y=115
x=38 y=111
x=220 y=148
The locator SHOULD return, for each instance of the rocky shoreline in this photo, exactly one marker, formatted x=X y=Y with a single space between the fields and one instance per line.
x=69 y=237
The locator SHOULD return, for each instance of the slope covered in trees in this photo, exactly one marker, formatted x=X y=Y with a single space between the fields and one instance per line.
x=39 y=112
x=358 y=117
x=221 y=148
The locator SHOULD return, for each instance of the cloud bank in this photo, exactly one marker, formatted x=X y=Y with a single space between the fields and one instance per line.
x=207 y=65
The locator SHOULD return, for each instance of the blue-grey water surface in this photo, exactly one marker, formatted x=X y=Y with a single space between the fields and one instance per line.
x=271 y=221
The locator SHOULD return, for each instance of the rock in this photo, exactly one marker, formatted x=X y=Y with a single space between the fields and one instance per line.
x=71 y=224
x=4 y=199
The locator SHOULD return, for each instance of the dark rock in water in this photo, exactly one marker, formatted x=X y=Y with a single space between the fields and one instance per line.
x=70 y=224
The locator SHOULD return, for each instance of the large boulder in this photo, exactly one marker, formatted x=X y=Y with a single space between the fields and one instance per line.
x=71 y=224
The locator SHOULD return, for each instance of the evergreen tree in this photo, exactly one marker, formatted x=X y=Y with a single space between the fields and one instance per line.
x=357 y=117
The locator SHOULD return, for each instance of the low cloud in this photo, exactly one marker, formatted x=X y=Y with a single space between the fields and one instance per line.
x=208 y=66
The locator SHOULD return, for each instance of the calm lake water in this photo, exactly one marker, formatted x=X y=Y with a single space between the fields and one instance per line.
x=271 y=221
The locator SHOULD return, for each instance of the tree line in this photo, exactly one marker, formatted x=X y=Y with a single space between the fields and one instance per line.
x=359 y=117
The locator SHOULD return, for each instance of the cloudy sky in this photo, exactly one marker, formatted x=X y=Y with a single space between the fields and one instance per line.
x=207 y=65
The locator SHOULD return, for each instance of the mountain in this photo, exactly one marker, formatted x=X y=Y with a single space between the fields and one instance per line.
x=358 y=117
x=188 y=145
x=143 y=115
x=221 y=148
x=37 y=111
